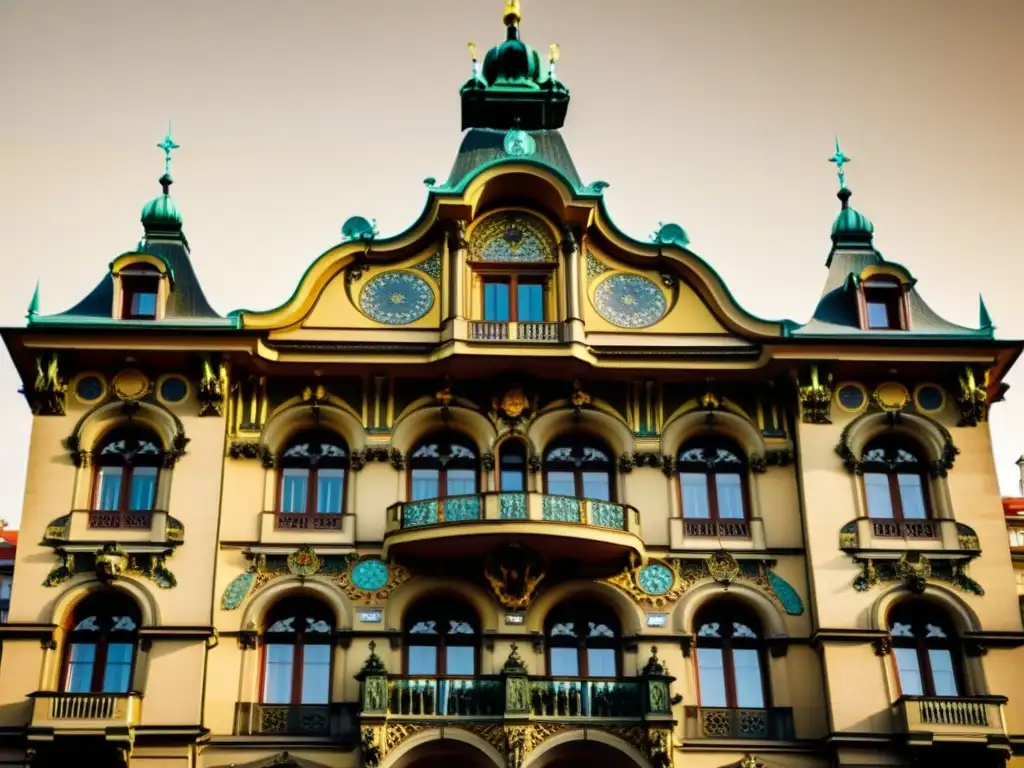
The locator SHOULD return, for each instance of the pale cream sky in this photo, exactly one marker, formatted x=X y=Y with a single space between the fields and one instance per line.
x=716 y=115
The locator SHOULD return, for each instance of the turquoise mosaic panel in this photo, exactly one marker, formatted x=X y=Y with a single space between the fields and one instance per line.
x=608 y=515
x=460 y=509
x=512 y=506
x=629 y=301
x=655 y=579
x=561 y=509
x=237 y=590
x=788 y=596
x=370 y=574
x=419 y=513
x=396 y=298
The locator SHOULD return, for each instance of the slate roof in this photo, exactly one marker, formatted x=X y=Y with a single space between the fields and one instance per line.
x=485 y=145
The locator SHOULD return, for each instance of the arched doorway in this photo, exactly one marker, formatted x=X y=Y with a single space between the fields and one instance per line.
x=448 y=752
x=572 y=754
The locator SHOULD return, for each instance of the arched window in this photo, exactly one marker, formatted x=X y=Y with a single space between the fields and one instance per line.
x=896 y=486
x=512 y=466
x=127 y=465
x=924 y=650
x=712 y=481
x=298 y=638
x=583 y=639
x=441 y=638
x=312 y=481
x=443 y=465
x=102 y=636
x=730 y=654
x=579 y=467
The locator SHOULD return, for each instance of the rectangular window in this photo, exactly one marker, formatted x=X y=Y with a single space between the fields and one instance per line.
x=425 y=484
x=461 y=482
x=876 y=490
x=695 y=495
x=596 y=485
x=601 y=662
x=711 y=677
x=108 y=494
x=80 y=666
x=561 y=483
x=943 y=676
x=878 y=314
x=912 y=497
x=277 y=677
x=316 y=674
x=883 y=306
x=143 y=491
x=730 y=496
x=530 y=302
x=143 y=305
x=747 y=671
x=5 y=587
x=565 y=662
x=118 y=673
x=497 y=307
x=330 y=485
x=422 y=660
x=909 y=671
x=460 y=660
x=512 y=481
x=293 y=490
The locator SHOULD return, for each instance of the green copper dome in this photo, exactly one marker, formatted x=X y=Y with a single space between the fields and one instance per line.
x=512 y=62
x=161 y=214
x=851 y=227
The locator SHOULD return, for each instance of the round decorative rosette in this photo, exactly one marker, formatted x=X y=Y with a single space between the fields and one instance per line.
x=370 y=575
x=629 y=301
x=655 y=579
x=396 y=298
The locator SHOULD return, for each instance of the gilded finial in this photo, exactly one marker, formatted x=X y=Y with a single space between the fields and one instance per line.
x=472 y=50
x=840 y=160
x=553 y=52
x=512 y=15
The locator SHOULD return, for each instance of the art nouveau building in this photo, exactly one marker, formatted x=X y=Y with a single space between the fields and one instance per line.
x=510 y=488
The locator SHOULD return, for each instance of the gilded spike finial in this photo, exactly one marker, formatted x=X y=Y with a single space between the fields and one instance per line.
x=472 y=50
x=840 y=160
x=512 y=15
x=553 y=52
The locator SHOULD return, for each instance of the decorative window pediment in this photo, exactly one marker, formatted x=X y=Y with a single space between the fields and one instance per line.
x=512 y=237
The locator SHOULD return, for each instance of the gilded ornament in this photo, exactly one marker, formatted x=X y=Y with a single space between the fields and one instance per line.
x=915 y=569
x=512 y=237
x=816 y=399
x=723 y=567
x=111 y=562
x=891 y=397
x=213 y=387
x=303 y=562
x=972 y=400
x=131 y=384
x=396 y=733
x=709 y=402
x=513 y=404
x=659 y=748
x=369 y=749
x=514 y=574
x=48 y=396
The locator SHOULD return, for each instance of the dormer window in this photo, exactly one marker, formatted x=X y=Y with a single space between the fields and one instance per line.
x=140 y=290
x=884 y=305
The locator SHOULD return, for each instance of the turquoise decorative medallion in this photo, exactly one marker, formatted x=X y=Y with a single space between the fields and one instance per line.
x=396 y=298
x=629 y=301
x=655 y=579
x=783 y=590
x=519 y=143
x=237 y=590
x=370 y=575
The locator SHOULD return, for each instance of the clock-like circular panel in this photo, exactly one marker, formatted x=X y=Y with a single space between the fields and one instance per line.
x=656 y=579
x=629 y=301
x=370 y=575
x=396 y=298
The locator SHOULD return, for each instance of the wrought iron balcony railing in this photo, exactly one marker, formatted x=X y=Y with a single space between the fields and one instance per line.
x=723 y=723
x=334 y=721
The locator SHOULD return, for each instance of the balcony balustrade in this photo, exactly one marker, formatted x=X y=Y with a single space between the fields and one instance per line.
x=446 y=697
x=83 y=714
x=721 y=723
x=468 y=525
x=521 y=332
x=334 y=721
x=867 y=533
x=951 y=719
x=702 y=533
x=287 y=528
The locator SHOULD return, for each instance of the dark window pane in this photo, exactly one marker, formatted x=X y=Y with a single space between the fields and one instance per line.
x=912 y=497
x=143 y=304
x=330 y=489
x=461 y=660
x=422 y=660
x=711 y=677
x=530 y=302
x=876 y=489
x=425 y=484
x=565 y=662
x=695 y=495
x=878 y=314
x=496 y=301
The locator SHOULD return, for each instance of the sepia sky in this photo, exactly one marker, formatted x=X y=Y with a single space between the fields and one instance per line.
x=717 y=115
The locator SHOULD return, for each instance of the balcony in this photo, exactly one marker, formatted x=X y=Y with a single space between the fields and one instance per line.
x=925 y=719
x=593 y=531
x=84 y=714
x=294 y=529
x=703 y=534
x=516 y=332
x=775 y=723
x=873 y=534
x=326 y=721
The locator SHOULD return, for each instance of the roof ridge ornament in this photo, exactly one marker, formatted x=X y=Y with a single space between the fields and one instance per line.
x=168 y=146
x=840 y=159
x=513 y=16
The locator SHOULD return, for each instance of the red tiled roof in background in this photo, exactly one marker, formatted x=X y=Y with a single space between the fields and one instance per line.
x=8 y=538
x=1012 y=507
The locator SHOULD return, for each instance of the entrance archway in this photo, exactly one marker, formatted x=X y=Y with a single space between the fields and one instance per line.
x=458 y=749
x=572 y=754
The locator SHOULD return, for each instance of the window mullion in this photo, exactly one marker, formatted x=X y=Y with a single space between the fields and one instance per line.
x=311 y=491
x=729 y=670
x=513 y=298
x=297 y=662
x=99 y=669
x=712 y=488
x=894 y=496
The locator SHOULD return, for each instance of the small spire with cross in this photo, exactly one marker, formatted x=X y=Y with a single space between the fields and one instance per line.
x=168 y=146
x=840 y=160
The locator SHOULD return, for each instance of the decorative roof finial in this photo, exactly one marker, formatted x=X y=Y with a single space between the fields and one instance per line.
x=553 y=53
x=840 y=160
x=168 y=146
x=984 y=318
x=33 y=306
x=512 y=15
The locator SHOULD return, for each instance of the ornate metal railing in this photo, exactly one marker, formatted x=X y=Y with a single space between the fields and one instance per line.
x=723 y=723
x=444 y=696
x=529 y=332
x=949 y=715
x=105 y=518
x=539 y=507
x=336 y=721
x=735 y=529
x=316 y=522
x=917 y=529
x=583 y=697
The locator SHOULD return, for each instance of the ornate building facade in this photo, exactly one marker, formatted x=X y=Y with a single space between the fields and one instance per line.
x=510 y=489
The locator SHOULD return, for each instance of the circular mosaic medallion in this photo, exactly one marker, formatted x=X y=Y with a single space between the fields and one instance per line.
x=89 y=388
x=370 y=575
x=396 y=298
x=851 y=397
x=629 y=301
x=656 y=579
x=930 y=398
x=173 y=389
x=130 y=384
x=891 y=396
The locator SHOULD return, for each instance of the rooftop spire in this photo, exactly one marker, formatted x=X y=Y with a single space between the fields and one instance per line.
x=168 y=146
x=851 y=228
x=840 y=160
x=984 y=318
x=512 y=15
x=161 y=214
x=33 y=306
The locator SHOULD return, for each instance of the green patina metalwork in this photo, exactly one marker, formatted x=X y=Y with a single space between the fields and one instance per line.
x=512 y=506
